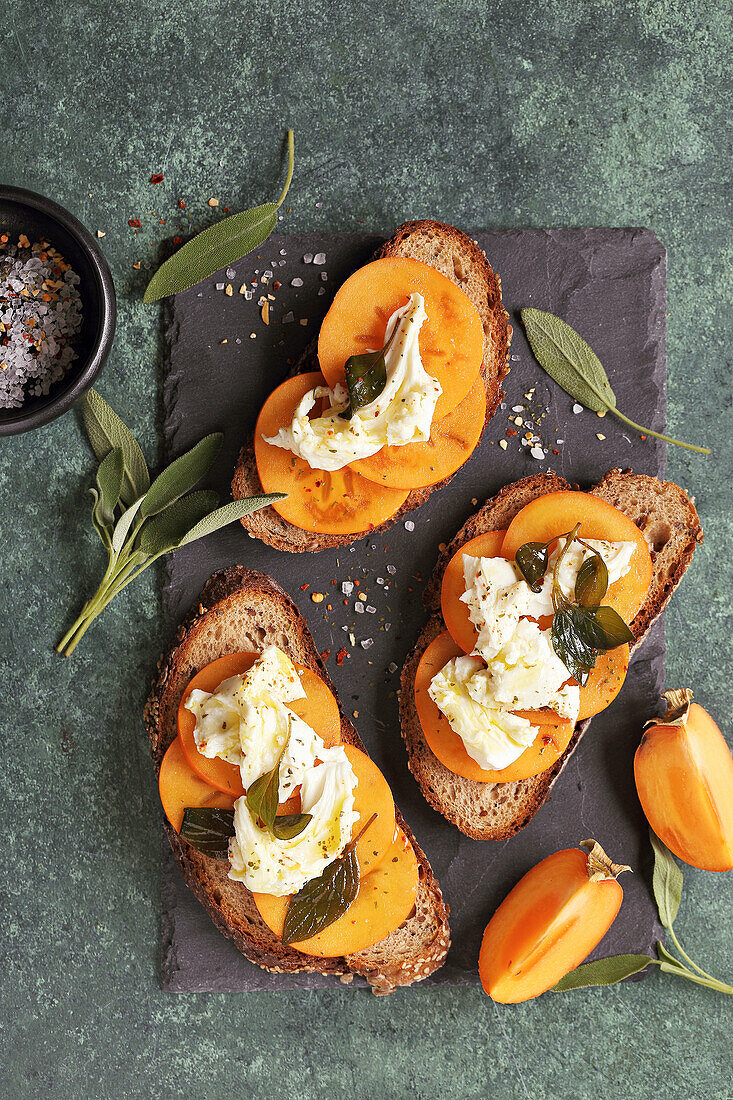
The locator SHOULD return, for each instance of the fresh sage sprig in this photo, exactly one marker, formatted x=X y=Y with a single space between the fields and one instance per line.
x=366 y=377
x=324 y=899
x=136 y=521
x=573 y=364
x=667 y=884
x=220 y=245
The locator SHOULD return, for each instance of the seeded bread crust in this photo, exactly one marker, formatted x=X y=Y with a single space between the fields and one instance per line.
x=460 y=259
x=241 y=610
x=670 y=523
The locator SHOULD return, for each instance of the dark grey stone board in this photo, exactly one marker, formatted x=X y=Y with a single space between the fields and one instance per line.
x=610 y=285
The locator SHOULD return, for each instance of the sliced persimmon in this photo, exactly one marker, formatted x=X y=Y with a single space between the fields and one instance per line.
x=455 y=613
x=549 y=745
x=385 y=900
x=605 y=681
x=555 y=514
x=452 y=442
x=451 y=339
x=319 y=709
x=371 y=796
x=181 y=788
x=339 y=502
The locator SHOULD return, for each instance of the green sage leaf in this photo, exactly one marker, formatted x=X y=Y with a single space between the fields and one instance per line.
x=667 y=881
x=591 y=583
x=262 y=795
x=602 y=627
x=101 y=528
x=532 y=559
x=181 y=475
x=577 y=656
x=288 y=826
x=566 y=357
x=109 y=486
x=324 y=899
x=229 y=513
x=366 y=377
x=124 y=523
x=208 y=830
x=165 y=531
x=106 y=430
x=218 y=246
x=603 y=972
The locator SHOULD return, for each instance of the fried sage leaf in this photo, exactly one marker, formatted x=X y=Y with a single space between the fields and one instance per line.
x=591 y=583
x=208 y=830
x=568 y=643
x=262 y=795
x=602 y=628
x=532 y=559
x=324 y=899
x=288 y=826
x=366 y=377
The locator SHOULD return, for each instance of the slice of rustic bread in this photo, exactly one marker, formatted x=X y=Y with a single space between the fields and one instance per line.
x=459 y=258
x=669 y=521
x=244 y=610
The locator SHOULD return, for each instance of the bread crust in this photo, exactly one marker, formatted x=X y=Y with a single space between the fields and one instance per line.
x=230 y=597
x=671 y=525
x=458 y=257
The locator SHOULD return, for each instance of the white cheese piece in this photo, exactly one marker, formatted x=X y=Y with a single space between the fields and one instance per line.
x=401 y=414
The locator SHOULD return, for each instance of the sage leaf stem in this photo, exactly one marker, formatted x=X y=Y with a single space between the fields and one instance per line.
x=571 y=362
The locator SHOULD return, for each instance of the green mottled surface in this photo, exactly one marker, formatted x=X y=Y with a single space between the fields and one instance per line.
x=502 y=114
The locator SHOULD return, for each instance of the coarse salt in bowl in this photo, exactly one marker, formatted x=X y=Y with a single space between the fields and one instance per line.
x=74 y=308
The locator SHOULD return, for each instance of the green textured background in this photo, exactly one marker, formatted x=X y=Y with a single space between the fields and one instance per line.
x=482 y=114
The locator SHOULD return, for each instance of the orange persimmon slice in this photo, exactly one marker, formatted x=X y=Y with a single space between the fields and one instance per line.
x=417 y=465
x=455 y=613
x=555 y=514
x=319 y=709
x=371 y=796
x=385 y=900
x=451 y=339
x=335 y=503
x=181 y=788
x=549 y=745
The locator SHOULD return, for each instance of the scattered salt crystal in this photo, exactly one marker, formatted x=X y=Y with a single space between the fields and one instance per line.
x=387 y=626
x=324 y=277
x=288 y=318
x=381 y=580
x=503 y=444
x=283 y=252
x=220 y=286
x=517 y=408
x=296 y=282
x=359 y=608
x=391 y=668
x=321 y=290
x=370 y=609
x=347 y=587
x=537 y=453
x=560 y=440
x=409 y=525
x=391 y=569
x=577 y=408
x=308 y=258
x=319 y=258
x=367 y=643
x=231 y=273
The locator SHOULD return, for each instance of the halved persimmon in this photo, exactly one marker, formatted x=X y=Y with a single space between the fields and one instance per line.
x=555 y=514
x=385 y=900
x=452 y=442
x=319 y=709
x=181 y=788
x=451 y=339
x=455 y=613
x=339 y=502
x=550 y=743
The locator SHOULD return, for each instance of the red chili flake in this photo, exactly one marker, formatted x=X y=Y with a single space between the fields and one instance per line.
x=162 y=221
x=178 y=240
x=555 y=451
x=276 y=285
x=157 y=178
x=135 y=223
x=642 y=437
x=225 y=209
x=343 y=652
x=181 y=204
x=325 y=655
x=303 y=587
x=512 y=431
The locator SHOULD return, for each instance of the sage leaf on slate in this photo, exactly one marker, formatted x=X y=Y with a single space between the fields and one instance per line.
x=288 y=826
x=532 y=559
x=208 y=830
x=667 y=881
x=324 y=899
x=564 y=354
x=164 y=532
x=218 y=246
x=105 y=431
x=604 y=972
x=138 y=522
x=181 y=475
x=591 y=583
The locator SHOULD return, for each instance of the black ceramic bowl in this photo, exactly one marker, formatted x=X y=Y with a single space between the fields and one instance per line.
x=25 y=212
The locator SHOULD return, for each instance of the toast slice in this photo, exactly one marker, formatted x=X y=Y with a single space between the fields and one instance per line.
x=243 y=610
x=669 y=521
x=460 y=259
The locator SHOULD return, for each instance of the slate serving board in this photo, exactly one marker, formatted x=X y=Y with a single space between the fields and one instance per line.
x=610 y=285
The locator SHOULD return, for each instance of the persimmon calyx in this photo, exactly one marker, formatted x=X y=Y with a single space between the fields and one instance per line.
x=678 y=702
x=600 y=867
